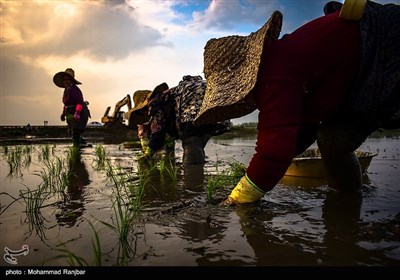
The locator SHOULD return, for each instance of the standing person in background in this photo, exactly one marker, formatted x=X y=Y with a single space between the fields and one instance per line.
x=75 y=110
x=28 y=129
x=334 y=80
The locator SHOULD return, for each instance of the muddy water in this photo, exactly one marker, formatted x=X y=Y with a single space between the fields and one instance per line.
x=301 y=222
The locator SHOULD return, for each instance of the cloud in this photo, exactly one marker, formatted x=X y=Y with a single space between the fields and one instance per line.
x=115 y=47
x=97 y=29
x=106 y=42
x=223 y=16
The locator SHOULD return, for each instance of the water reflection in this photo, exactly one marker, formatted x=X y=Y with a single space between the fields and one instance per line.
x=281 y=234
x=160 y=176
x=311 y=182
x=203 y=230
x=341 y=216
x=193 y=177
x=267 y=244
x=78 y=177
x=307 y=182
x=293 y=226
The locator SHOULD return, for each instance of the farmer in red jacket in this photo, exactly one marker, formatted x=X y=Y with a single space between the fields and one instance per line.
x=334 y=80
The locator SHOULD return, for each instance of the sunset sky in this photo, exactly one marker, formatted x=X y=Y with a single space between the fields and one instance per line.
x=117 y=47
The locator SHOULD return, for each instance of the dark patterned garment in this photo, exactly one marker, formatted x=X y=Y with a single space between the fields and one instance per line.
x=173 y=112
x=189 y=96
x=376 y=91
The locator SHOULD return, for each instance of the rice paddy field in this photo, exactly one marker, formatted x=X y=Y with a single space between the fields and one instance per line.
x=104 y=207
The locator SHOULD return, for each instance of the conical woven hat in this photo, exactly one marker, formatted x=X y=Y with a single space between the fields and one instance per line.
x=231 y=67
x=138 y=114
x=140 y=99
x=59 y=77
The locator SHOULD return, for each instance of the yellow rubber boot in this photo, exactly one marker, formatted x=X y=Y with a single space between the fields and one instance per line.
x=244 y=192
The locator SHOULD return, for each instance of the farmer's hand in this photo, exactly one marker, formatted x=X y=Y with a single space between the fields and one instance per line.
x=148 y=153
x=62 y=117
x=78 y=110
x=244 y=192
x=77 y=116
x=144 y=143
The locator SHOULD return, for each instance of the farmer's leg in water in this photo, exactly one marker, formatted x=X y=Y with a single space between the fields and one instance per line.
x=337 y=141
x=76 y=138
x=79 y=127
x=193 y=150
x=194 y=140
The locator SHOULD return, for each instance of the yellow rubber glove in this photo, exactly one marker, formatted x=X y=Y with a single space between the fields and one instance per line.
x=244 y=192
x=144 y=142
x=147 y=154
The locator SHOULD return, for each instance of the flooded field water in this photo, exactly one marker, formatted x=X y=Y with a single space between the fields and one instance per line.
x=177 y=220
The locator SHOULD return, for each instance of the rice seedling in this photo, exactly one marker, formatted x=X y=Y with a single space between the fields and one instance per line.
x=126 y=206
x=74 y=259
x=225 y=178
x=161 y=165
x=45 y=152
x=18 y=158
x=136 y=191
x=14 y=161
x=167 y=165
x=126 y=197
x=173 y=170
x=101 y=157
x=213 y=183
x=236 y=171
x=73 y=155
x=27 y=152
x=3 y=208
x=53 y=183
x=5 y=150
x=34 y=201
x=54 y=175
x=96 y=245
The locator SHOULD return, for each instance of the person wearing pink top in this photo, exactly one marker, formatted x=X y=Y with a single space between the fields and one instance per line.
x=75 y=111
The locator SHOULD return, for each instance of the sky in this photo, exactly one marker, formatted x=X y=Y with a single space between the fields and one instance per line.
x=118 y=47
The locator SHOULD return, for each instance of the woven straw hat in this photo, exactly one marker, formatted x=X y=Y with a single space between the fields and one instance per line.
x=138 y=114
x=231 y=67
x=59 y=77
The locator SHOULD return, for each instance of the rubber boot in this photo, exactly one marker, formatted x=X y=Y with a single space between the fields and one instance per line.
x=193 y=150
x=337 y=145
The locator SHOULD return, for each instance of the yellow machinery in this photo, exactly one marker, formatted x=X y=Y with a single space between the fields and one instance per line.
x=118 y=116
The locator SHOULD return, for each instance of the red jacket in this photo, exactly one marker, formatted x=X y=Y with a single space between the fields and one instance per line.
x=303 y=78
